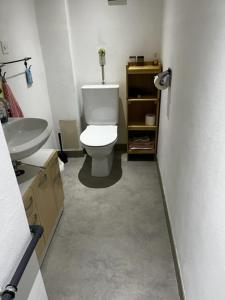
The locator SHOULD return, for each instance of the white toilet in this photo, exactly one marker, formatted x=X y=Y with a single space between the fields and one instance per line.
x=101 y=107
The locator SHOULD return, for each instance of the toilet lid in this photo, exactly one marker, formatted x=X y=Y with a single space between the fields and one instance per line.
x=98 y=135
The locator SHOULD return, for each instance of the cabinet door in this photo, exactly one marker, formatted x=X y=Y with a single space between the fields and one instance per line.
x=58 y=191
x=33 y=218
x=45 y=202
x=55 y=177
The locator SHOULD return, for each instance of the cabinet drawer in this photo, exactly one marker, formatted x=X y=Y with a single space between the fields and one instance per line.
x=33 y=218
x=41 y=181
x=56 y=180
x=30 y=208
x=54 y=167
x=29 y=205
x=58 y=191
x=45 y=202
x=52 y=161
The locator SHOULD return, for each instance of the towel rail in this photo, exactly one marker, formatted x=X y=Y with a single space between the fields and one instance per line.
x=11 y=288
x=25 y=59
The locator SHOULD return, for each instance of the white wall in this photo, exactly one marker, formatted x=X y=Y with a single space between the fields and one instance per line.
x=18 y=27
x=123 y=30
x=191 y=151
x=54 y=31
x=14 y=231
x=71 y=33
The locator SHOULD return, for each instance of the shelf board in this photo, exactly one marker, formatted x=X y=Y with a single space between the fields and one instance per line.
x=141 y=126
x=141 y=151
x=145 y=98
x=147 y=68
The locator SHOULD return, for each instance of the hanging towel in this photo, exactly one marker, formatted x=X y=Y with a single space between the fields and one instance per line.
x=14 y=107
x=29 y=76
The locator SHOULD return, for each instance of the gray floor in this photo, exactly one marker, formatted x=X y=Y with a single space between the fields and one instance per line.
x=111 y=243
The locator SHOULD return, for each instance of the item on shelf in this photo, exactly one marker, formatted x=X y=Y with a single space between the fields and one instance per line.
x=155 y=61
x=140 y=60
x=150 y=119
x=132 y=60
x=141 y=143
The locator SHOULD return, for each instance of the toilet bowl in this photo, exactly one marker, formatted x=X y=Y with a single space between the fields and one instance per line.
x=101 y=108
x=98 y=141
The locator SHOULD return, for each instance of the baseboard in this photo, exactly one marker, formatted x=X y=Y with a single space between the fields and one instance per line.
x=172 y=243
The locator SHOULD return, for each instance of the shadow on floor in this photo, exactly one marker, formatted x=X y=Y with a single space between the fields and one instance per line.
x=101 y=182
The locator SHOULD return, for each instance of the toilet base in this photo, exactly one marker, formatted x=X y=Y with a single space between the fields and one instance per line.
x=101 y=166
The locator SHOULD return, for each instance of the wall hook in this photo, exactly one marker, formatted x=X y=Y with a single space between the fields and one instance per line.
x=2 y=75
x=2 y=65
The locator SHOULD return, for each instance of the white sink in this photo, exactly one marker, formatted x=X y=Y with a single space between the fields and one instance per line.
x=25 y=136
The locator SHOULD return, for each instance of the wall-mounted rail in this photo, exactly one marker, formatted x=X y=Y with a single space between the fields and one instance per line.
x=25 y=59
x=11 y=288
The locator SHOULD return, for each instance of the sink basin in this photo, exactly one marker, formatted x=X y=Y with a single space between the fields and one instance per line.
x=25 y=136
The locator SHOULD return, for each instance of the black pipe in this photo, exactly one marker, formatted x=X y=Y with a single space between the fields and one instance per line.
x=11 y=288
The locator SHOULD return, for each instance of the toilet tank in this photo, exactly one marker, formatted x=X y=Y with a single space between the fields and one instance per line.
x=101 y=104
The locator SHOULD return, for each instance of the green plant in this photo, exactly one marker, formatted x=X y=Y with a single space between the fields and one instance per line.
x=101 y=52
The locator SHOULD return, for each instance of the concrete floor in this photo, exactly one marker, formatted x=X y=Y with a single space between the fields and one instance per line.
x=111 y=243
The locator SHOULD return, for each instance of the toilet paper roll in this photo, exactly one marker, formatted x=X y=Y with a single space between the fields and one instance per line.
x=157 y=80
x=150 y=119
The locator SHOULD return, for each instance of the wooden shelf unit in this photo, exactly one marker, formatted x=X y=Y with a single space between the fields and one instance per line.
x=142 y=98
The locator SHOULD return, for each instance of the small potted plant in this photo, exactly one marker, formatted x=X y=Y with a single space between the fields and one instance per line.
x=101 y=53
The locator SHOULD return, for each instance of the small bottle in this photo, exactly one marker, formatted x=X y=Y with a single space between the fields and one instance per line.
x=155 y=60
x=132 y=60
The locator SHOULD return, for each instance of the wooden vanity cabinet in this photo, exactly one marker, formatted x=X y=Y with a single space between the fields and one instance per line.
x=43 y=201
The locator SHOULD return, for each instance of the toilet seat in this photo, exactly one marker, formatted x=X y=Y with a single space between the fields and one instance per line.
x=99 y=135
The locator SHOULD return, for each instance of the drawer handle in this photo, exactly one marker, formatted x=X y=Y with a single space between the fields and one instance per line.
x=43 y=181
x=30 y=203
